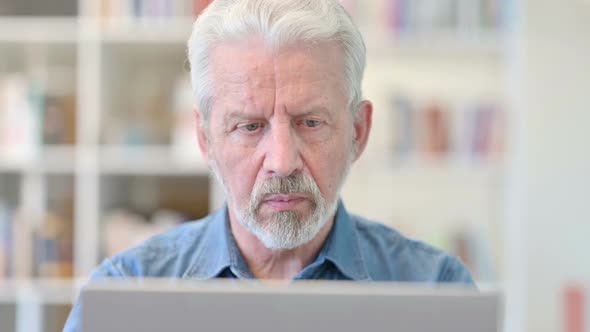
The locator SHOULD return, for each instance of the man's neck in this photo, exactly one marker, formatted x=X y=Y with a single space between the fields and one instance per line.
x=276 y=264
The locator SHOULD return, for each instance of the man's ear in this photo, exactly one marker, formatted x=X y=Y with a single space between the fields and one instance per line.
x=201 y=134
x=362 y=127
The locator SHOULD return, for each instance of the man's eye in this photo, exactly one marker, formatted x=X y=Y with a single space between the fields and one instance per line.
x=311 y=123
x=250 y=127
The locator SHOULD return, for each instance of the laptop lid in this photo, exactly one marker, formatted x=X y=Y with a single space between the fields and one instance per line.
x=224 y=305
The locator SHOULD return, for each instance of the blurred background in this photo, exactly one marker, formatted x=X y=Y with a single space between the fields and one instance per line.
x=479 y=144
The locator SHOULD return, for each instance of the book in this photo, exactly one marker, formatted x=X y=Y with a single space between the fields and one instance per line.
x=119 y=11
x=404 y=127
x=20 y=107
x=486 y=131
x=31 y=116
x=435 y=130
x=576 y=310
x=22 y=234
x=53 y=248
x=466 y=131
x=419 y=18
x=5 y=241
x=59 y=120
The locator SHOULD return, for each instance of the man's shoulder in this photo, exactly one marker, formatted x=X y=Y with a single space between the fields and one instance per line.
x=383 y=238
x=168 y=254
x=390 y=255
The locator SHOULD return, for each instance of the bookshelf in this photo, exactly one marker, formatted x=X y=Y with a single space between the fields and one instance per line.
x=117 y=77
x=435 y=166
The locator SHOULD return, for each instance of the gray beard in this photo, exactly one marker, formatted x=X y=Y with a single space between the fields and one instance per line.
x=284 y=229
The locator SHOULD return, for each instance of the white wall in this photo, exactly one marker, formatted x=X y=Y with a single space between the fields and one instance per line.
x=557 y=147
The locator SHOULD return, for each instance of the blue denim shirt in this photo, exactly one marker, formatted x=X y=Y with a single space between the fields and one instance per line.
x=356 y=249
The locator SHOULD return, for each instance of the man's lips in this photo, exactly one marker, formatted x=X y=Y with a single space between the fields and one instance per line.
x=283 y=197
x=283 y=202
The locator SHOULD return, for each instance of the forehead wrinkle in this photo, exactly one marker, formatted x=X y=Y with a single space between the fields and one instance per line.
x=252 y=81
x=304 y=88
x=292 y=79
x=257 y=74
x=248 y=91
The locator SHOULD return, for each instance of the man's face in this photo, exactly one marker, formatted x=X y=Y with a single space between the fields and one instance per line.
x=280 y=137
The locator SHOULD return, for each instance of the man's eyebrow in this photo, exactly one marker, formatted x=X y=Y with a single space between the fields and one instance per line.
x=316 y=110
x=239 y=115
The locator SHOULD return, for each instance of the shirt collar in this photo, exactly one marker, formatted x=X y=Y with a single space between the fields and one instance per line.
x=342 y=247
x=213 y=253
x=219 y=251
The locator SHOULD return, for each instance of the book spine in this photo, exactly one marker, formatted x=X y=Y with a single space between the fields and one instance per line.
x=4 y=242
x=22 y=261
x=575 y=309
x=435 y=133
x=20 y=103
x=404 y=127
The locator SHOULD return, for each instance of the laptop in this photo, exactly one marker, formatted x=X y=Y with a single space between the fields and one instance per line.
x=231 y=305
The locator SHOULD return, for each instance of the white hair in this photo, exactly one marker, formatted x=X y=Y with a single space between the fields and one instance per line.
x=280 y=23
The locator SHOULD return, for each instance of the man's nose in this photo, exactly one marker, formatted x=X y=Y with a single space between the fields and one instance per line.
x=283 y=155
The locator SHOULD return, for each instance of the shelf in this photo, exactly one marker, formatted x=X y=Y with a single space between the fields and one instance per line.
x=39 y=30
x=69 y=30
x=417 y=163
x=149 y=160
x=41 y=291
x=147 y=30
x=36 y=8
x=445 y=172
x=117 y=67
x=145 y=160
x=54 y=159
x=124 y=65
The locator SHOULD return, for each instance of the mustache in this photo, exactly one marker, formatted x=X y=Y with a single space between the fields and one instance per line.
x=295 y=183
